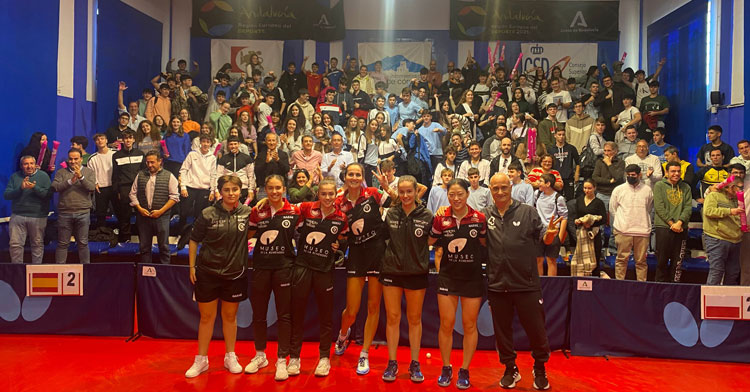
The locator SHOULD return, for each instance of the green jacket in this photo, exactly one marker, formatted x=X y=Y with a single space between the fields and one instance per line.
x=718 y=222
x=544 y=132
x=672 y=203
x=31 y=203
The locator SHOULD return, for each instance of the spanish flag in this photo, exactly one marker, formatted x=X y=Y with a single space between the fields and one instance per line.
x=45 y=282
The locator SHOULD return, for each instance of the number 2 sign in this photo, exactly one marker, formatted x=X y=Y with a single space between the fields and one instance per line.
x=54 y=280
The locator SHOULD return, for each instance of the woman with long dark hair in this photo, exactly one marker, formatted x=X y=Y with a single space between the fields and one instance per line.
x=33 y=149
x=295 y=112
x=147 y=137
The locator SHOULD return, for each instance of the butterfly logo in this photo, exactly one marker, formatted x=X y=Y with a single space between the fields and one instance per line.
x=684 y=329
x=11 y=307
x=516 y=223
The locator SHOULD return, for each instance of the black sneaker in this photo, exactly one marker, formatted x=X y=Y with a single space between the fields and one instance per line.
x=463 y=379
x=445 y=376
x=540 y=378
x=415 y=373
x=390 y=371
x=510 y=377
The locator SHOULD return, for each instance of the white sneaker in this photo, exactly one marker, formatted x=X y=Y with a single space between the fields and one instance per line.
x=200 y=365
x=293 y=367
x=231 y=363
x=323 y=368
x=258 y=362
x=281 y=372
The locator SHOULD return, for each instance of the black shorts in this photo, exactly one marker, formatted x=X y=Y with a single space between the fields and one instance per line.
x=408 y=282
x=460 y=287
x=209 y=287
x=551 y=251
x=365 y=260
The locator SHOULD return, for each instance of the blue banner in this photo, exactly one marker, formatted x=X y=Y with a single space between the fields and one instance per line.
x=627 y=318
x=105 y=309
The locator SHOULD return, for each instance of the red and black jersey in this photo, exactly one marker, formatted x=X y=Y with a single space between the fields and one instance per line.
x=460 y=242
x=274 y=233
x=363 y=216
x=316 y=234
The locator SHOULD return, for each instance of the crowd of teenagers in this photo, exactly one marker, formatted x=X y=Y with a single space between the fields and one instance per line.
x=332 y=158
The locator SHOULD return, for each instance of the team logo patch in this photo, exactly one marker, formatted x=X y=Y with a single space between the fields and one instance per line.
x=446 y=221
x=358 y=226
x=268 y=237
x=315 y=238
x=262 y=214
x=241 y=226
x=314 y=212
x=516 y=223
x=418 y=232
x=334 y=229
x=491 y=221
x=473 y=233
x=457 y=245
x=286 y=223
x=366 y=208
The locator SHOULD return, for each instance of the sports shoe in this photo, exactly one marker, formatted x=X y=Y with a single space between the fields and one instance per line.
x=463 y=379
x=258 y=362
x=510 y=377
x=415 y=373
x=446 y=375
x=231 y=363
x=389 y=375
x=200 y=365
x=281 y=372
x=540 y=378
x=323 y=368
x=293 y=367
x=363 y=366
x=341 y=345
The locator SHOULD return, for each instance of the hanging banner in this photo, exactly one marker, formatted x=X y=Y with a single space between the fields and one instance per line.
x=542 y=21
x=239 y=52
x=320 y=20
x=401 y=60
x=573 y=59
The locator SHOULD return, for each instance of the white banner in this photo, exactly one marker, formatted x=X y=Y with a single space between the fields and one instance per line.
x=237 y=52
x=401 y=60
x=573 y=59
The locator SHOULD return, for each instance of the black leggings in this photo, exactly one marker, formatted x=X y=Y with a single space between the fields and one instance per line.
x=531 y=314
x=305 y=281
x=263 y=282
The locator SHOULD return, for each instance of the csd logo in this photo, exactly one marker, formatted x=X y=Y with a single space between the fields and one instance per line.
x=315 y=238
x=457 y=245
x=358 y=226
x=269 y=237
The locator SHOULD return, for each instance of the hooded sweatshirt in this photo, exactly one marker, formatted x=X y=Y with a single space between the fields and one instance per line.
x=718 y=222
x=631 y=206
x=672 y=203
x=578 y=130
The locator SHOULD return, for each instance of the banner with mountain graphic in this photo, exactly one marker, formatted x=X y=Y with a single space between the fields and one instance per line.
x=401 y=60
x=537 y=21
x=319 y=20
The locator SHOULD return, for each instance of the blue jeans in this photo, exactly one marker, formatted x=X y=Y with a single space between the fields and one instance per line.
x=78 y=225
x=723 y=261
x=147 y=228
x=21 y=226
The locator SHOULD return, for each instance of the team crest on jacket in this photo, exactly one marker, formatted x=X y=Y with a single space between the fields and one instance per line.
x=516 y=223
x=334 y=229
x=241 y=226
x=314 y=212
x=418 y=232
x=286 y=223
x=491 y=222
x=366 y=208
x=262 y=214
x=473 y=233
x=446 y=221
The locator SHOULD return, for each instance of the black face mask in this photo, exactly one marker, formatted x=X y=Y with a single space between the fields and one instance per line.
x=632 y=180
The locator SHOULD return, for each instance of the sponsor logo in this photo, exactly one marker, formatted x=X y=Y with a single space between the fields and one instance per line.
x=314 y=212
x=262 y=214
x=457 y=245
x=358 y=226
x=285 y=285
x=269 y=237
x=579 y=20
x=315 y=238
x=491 y=222
x=446 y=221
x=236 y=295
x=541 y=301
x=538 y=49
x=516 y=223
x=443 y=289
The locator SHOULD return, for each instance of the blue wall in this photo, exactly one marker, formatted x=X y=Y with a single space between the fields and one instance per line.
x=129 y=50
x=29 y=79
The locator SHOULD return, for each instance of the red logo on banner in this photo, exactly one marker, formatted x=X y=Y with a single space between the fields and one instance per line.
x=236 y=55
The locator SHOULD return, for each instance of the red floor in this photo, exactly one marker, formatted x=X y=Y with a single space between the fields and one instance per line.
x=68 y=363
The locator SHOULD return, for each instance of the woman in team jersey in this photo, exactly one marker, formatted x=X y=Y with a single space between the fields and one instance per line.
x=404 y=273
x=459 y=232
x=321 y=228
x=273 y=225
x=366 y=249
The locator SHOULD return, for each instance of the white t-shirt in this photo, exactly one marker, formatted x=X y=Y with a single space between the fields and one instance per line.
x=559 y=99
